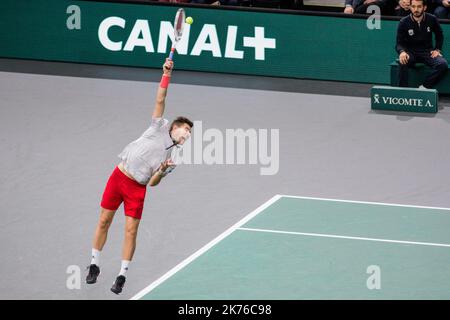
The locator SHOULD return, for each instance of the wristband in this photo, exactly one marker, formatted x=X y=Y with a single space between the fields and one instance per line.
x=165 y=80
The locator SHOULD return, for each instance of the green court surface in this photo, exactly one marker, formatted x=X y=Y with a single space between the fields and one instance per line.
x=308 y=248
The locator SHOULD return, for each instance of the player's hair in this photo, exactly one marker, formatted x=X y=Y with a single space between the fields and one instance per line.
x=179 y=121
x=424 y=2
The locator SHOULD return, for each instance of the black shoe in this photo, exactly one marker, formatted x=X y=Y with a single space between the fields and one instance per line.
x=118 y=285
x=94 y=271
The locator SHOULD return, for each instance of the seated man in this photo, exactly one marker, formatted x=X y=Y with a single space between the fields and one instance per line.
x=415 y=44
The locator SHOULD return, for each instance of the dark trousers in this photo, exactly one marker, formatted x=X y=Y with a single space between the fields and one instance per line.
x=442 y=12
x=438 y=65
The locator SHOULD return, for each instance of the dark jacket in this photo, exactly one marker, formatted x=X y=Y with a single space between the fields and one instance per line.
x=414 y=37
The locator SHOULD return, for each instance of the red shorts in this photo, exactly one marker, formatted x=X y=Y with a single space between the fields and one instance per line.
x=121 y=188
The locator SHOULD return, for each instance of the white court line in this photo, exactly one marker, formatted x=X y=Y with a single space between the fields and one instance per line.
x=205 y=248
x=345 y=237
x=365 y=202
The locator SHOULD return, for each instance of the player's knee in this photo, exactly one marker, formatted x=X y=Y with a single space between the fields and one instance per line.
x=131 y=231
x=104 y=223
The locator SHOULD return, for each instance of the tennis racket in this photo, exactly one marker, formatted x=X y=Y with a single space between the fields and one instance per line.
x=178 y=26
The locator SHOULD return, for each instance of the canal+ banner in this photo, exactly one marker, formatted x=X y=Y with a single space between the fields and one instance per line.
x=404 y=99
x=276 y=44
x=137 y=35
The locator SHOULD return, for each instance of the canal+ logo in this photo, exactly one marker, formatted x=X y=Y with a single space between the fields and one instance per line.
x=207 y=40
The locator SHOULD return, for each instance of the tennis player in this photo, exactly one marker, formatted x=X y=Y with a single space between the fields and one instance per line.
x=144 y=161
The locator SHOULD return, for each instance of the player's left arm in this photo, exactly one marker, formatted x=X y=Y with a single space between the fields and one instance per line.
x=161 y=172
x=156 y=178
x=162 y=90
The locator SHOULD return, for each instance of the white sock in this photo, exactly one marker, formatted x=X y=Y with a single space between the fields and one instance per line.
x=95 y=257
x=124 y=267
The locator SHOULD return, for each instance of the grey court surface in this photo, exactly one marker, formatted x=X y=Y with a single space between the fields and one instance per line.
x=60 y=136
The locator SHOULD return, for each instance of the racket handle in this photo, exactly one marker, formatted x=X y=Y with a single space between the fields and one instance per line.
x=172 y=51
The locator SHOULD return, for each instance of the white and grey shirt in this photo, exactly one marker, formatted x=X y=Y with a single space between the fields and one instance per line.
x=143 y=156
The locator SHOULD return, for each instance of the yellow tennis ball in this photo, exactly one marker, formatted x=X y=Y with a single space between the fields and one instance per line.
x=189 y=20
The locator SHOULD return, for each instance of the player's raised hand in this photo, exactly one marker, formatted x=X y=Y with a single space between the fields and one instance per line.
x=168 y=67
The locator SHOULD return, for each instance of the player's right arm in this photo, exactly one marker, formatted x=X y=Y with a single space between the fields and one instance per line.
x=162 y=90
